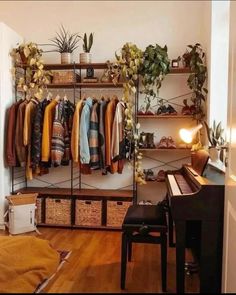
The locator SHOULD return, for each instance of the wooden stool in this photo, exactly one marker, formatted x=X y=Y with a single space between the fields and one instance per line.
x=139 y=222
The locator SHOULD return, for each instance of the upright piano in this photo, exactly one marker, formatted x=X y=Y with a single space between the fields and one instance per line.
x=196 y=206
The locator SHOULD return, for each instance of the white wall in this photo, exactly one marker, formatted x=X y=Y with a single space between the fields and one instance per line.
x=174 y=23
x=8 y=40
x=219 y=62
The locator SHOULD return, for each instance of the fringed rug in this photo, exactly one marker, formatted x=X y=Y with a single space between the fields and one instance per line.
x=64 y=255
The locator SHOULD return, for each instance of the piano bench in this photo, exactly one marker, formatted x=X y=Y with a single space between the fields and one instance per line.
x=139 y=222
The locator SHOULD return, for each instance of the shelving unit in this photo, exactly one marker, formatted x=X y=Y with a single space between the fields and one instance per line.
x=121 y=198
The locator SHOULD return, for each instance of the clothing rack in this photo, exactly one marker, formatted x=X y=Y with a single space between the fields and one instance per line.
x=78 y=89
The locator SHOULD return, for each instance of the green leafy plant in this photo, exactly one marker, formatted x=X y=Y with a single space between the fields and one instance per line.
x=36 y=78
x=88 y=42
x=154 y=68
x=214 y=134
x=64 y=41
x=197 y=78
x=130 y=60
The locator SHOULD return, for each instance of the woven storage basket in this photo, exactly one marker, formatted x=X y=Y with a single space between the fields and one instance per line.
x=39 y=210
x=116 y=211
x=65 y=77
x=58 y=211
x=88 y=213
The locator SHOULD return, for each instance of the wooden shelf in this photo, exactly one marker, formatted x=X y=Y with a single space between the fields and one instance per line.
x=163 y=150
x=180 y=71
x=101 y=193
x=165 y=116
x=84 y=85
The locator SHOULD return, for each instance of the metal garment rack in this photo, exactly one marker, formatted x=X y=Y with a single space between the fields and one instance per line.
x=18 y=179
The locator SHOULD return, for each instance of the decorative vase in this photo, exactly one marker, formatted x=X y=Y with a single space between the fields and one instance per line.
x=65 y=58
x=214 y=154
x=85 y=58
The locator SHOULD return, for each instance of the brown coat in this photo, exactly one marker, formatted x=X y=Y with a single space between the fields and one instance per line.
x=11 y=133
x=20 y=148
x=109 y=118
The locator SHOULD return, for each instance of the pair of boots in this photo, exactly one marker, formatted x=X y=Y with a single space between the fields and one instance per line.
x=146 y=140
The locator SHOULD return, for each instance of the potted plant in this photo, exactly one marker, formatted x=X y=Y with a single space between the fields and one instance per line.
x=215 y=138
x=86 y=56
x=154 y=67
x=65 y=43
x=36 y=78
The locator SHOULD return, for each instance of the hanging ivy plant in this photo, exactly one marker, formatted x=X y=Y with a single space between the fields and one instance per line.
x=130 y=61
x=154 y=68
x=36 y=78
x=197 y=78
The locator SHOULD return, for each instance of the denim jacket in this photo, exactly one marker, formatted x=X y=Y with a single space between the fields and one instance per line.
x=84 y=131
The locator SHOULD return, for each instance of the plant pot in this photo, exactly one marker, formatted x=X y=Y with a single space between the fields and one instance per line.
x=85 y=58
x=214 y=154
x=65 y=58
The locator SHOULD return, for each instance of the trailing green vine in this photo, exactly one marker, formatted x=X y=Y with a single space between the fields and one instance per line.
x=154 y=68
x=130 y=61
x=197 y=78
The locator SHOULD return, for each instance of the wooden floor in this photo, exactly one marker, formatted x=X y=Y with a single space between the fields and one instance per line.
x=94 y=265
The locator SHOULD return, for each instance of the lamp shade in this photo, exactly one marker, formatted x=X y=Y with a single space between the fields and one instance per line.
x=187 y=135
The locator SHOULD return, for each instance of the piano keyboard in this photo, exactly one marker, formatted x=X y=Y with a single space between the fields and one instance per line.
x=179 y=185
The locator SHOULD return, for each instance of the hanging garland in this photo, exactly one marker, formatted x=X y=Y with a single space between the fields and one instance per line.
x=36 y=78
x=130 y=61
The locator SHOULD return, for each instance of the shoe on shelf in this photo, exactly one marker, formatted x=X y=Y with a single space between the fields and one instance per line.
x=149 y=175
x=161 y=175
x=150 y=140
x=163 y=143
x=193 y=109
x=170 y=143
x=143 y=140
x=186 y=109
x=145 y=202
x=162 y=110
x=171 y=110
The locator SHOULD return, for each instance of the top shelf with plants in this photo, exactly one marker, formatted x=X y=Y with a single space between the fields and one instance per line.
x=96 y=66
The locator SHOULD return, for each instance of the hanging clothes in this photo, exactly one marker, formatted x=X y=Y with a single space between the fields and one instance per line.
x=29 y=115
x=75 y=137
x=20 y=148
x=11 y=158
x=37 y=130
x=47 y=130
x=93 y=137
x=111 y=166
x=102 y=147
x=84 y=131
x=67 y=124
x=118 y=138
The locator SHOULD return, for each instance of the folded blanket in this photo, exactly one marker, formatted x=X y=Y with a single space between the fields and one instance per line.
x=25 y=262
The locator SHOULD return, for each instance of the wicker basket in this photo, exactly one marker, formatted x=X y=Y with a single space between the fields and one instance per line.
x=58 y=211
x=116 y=211
x=39 y=210
x=65 y=77
x=88 y=213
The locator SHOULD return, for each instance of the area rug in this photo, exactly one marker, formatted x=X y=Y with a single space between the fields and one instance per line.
x=64 y=255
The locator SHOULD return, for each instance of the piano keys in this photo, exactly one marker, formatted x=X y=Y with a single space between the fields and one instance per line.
x=196 y=200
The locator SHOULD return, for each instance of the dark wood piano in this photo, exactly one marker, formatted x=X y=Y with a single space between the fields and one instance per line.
x=196 y=206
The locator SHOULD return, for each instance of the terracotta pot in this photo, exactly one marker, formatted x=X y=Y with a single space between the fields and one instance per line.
x=65 y=58
x=85 y=58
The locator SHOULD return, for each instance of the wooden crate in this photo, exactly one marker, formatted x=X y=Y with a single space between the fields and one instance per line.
x=116 y=211
x=58 y=211
x=88 y=212
x=39 y=202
